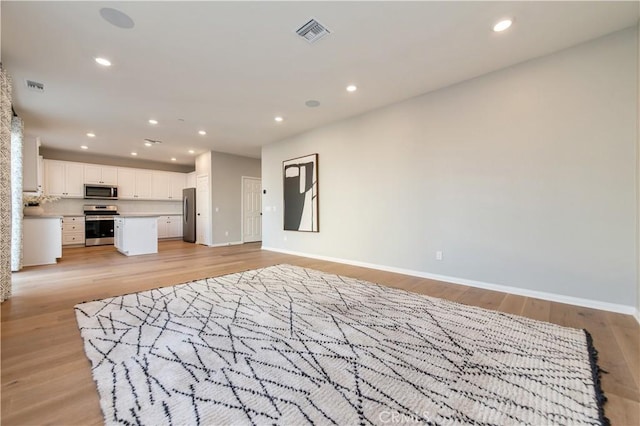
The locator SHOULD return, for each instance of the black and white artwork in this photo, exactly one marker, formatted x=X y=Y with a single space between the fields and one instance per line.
x=301 y=194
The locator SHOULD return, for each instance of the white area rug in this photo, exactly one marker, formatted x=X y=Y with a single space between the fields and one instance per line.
x=287 y=345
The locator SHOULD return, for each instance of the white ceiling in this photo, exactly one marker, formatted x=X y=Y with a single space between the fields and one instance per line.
x=230 y=67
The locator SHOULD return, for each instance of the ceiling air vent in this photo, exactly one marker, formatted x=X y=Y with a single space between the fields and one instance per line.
x=34 y=85
x=312 y=31
x=155 y=142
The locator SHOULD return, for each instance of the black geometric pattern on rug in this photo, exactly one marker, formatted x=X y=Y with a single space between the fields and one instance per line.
x=288 y=345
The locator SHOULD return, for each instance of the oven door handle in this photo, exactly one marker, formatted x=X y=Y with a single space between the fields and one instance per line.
x=97 y=218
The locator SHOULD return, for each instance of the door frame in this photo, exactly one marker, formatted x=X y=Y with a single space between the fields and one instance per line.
x=242 y=180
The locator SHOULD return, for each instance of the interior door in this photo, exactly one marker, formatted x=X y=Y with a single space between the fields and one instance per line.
x=203 y=223
x=251 y=209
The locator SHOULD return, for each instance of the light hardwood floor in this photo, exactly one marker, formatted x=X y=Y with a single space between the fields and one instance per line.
x=46 y=378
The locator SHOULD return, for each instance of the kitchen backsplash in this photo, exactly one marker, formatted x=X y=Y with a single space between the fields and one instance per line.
x=69 y=206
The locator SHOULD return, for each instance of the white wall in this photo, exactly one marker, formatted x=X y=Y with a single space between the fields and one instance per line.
x=525 y=177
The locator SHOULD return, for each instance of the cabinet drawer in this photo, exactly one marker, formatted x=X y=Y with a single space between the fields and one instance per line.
x=73 y=219
x=72 y=238
x=72 y=227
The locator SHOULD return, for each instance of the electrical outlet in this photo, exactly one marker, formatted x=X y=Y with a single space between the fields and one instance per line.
x=284 y=238
x=439 y=255
x=226 y=233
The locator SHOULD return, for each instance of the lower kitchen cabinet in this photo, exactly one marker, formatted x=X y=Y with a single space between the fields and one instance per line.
x=73 y=230
x=170 y=226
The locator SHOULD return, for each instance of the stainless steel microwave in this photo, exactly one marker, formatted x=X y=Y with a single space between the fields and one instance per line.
x=101 y=192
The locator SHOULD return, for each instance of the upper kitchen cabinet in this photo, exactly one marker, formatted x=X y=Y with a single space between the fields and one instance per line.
x=144 y=179
x=160 y=186
x=191 y=180
x=64 y=179
x=103 y=175
x=168 y=185
x=177 y=182
x=31 y=165
x=126 y=183
x=67 y=179
x=134 y=184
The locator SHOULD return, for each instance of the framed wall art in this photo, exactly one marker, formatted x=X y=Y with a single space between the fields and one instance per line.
x=300 y=177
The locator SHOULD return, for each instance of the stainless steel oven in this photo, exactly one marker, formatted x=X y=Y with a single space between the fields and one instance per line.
x=99 y=224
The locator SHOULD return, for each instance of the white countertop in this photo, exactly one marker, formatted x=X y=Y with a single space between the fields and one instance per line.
x=130 y=215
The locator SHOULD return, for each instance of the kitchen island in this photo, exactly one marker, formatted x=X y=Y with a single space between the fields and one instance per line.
x=42 y=240
x=136 y=234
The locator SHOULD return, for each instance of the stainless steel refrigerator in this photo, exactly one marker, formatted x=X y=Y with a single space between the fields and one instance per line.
x=189 y=215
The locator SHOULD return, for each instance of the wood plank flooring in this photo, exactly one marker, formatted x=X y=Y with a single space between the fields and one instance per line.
x=46 y=378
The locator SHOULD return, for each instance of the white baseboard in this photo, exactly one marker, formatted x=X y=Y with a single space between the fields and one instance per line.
x=637 y=315
x=588 y=303
x=231 y=243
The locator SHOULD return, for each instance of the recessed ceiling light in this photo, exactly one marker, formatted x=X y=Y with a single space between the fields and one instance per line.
x=148 y=144
x=84 y=147
x=502 y=25
x=279 y=119
x=202 y=132
x=152 y=121
x=352 y=88
x=104 y=62
x=134 y=153
x=91 y=135
x=191 y=151
x=173 y=158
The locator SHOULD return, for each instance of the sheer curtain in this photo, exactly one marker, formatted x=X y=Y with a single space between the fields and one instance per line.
x=5 y=184
x=17 y=129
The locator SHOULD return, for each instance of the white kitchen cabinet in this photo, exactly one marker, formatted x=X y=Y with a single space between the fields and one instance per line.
x=174 y=226
x=191 y=180
x=126 y=183
x=64 y=179
x=102 y=175
x=170 y=226
x=31 y=165
x=144 y=178
x=134 y=235
x=163 y=227
x=177 y=182
x=118 y=224
x=42 y=240
x=73 y=230
x=167 y=185
x=55 y=173
x=134 y=184
x=160 y=185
